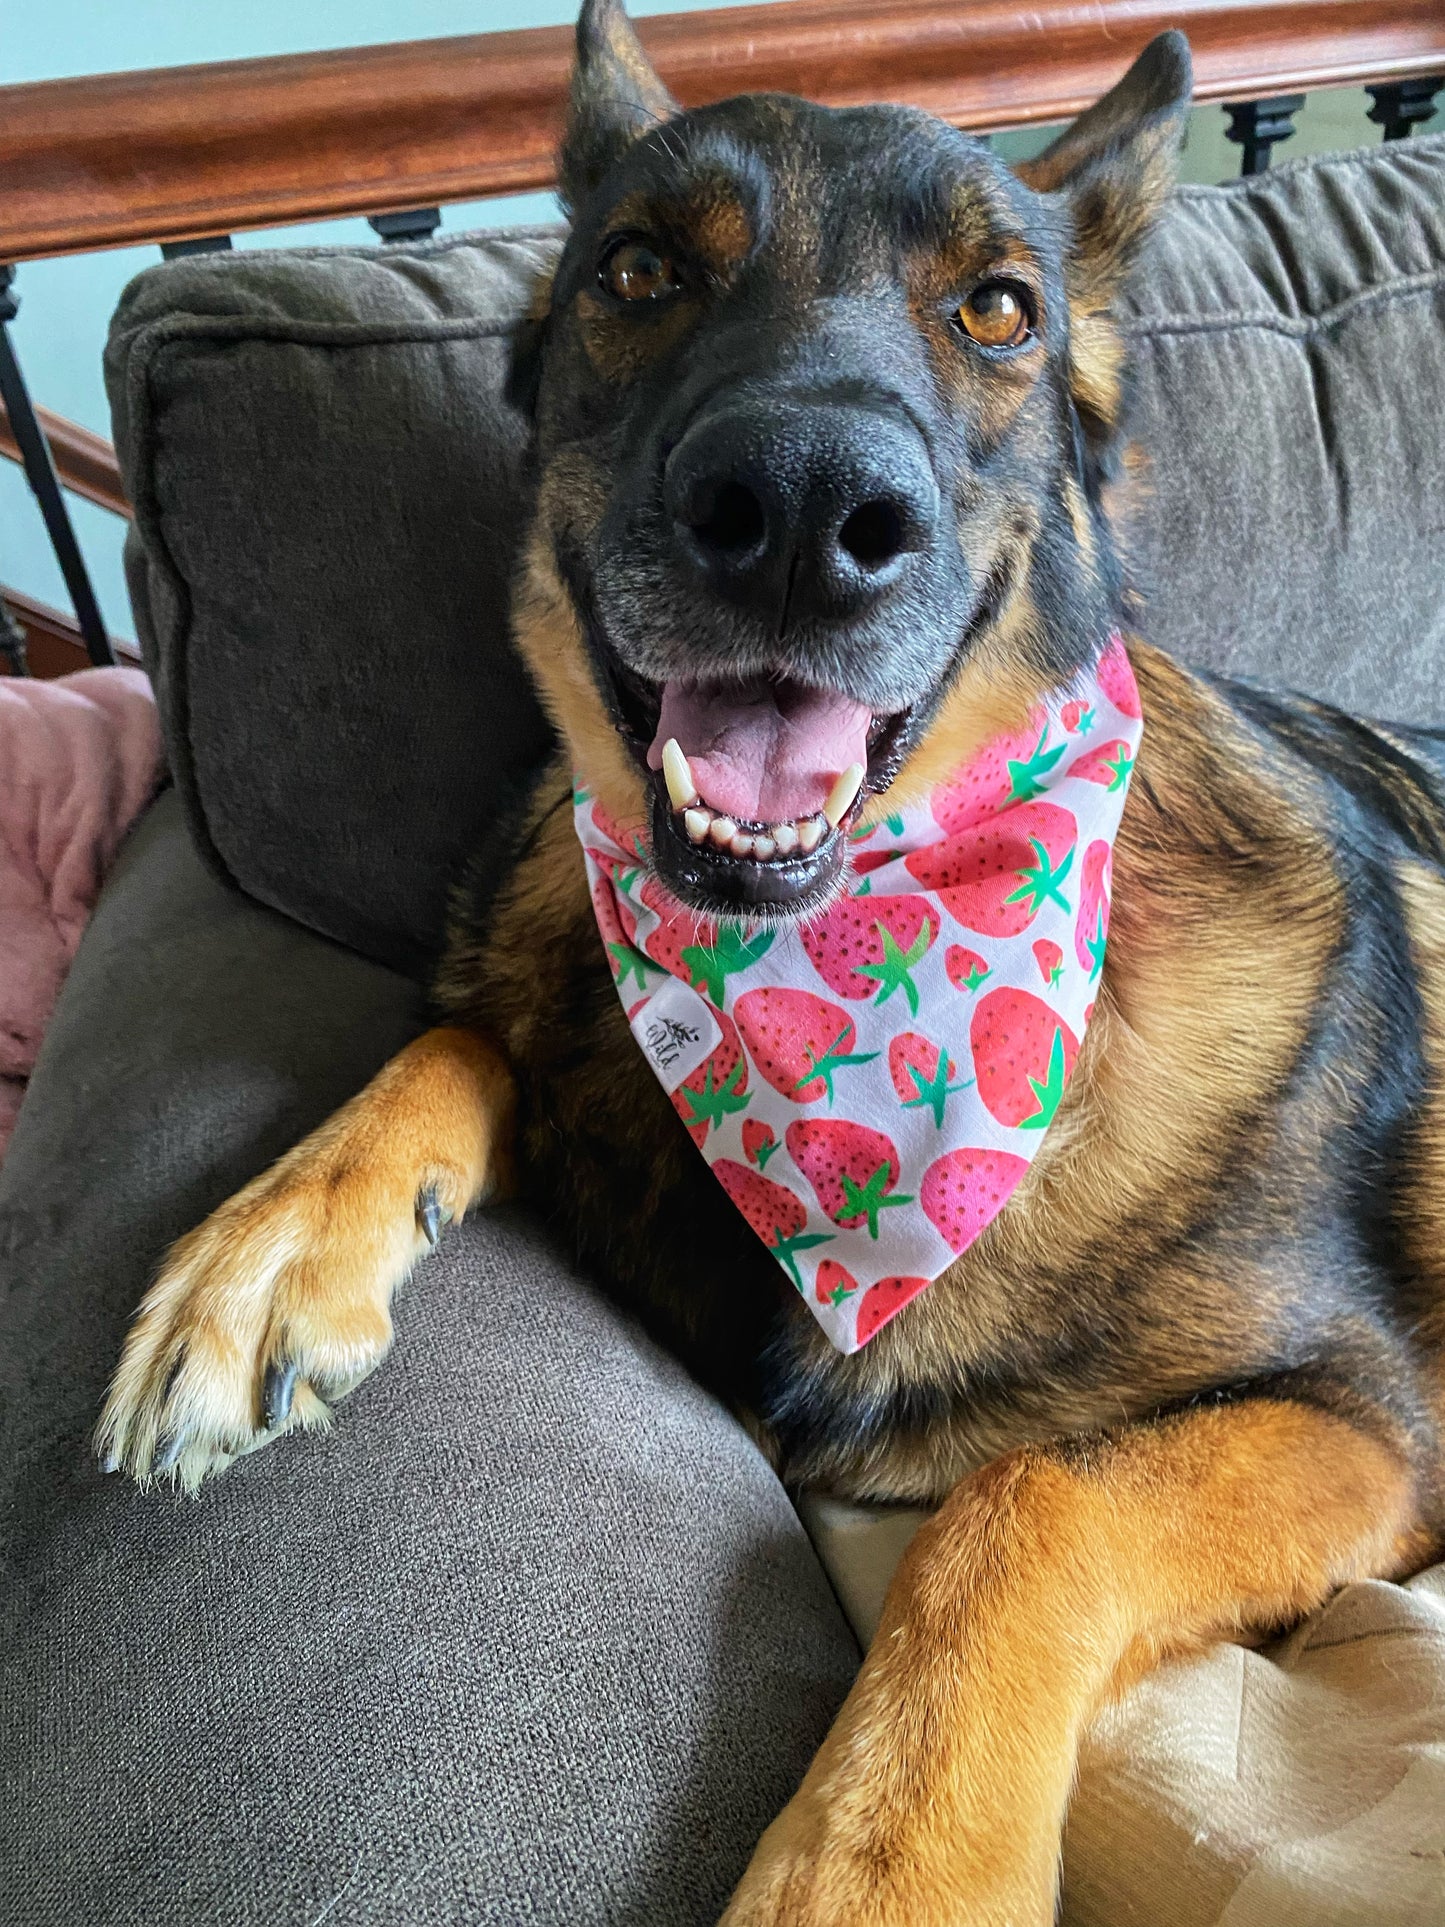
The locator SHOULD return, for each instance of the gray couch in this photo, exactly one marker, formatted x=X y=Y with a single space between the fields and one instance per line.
x=534 y=1635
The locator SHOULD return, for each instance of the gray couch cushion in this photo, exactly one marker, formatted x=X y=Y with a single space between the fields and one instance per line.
x=328 y=491
x=533 y=1635
x=328 y=488
x=1288 y=341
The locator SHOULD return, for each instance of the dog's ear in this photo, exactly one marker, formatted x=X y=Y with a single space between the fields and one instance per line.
x=616 y=97
x=1116 y=165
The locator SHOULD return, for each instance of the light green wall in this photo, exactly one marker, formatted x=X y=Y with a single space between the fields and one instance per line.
x=65 y=304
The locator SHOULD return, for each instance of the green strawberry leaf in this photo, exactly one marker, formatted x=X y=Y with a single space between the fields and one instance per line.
x=935 y=1091
x=1039 y=882
x=865 y=888
x=1086 y=722
x=894 y=971
x=765 y=1151
x=866 y=1201
x=631 y=962
x=830 y=1063
x=840 y=1292
x=711 y=1105
x=1119 y=770
x=1097 y=944
x=895 y=824
x=1048 y=1091
x=1024 y=773
x=786 y=1250
x=709 y=965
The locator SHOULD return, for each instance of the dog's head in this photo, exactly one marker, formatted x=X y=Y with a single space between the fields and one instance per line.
x=824 y=402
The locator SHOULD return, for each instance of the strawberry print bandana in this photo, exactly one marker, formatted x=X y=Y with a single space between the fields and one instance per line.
x=870 y=1087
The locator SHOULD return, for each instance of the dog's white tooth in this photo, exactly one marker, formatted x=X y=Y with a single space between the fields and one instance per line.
x=742 y=844
x=810 y=831
x=763 y=847
x=677 y=772
x=840 y=797
x=722 y=830
x=785 y=835
x=695 y=822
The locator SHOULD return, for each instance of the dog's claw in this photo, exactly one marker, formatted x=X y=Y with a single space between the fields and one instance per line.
x=111 y=1462
x=277 y=1390
x=432 y=1215
x=168 y=1452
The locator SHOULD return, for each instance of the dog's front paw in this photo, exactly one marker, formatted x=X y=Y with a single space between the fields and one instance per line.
x=277 y=1305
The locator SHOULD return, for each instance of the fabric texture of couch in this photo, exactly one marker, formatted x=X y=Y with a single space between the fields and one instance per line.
x=534 y=1634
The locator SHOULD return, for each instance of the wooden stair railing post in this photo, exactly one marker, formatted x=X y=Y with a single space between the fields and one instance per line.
x=44 y=484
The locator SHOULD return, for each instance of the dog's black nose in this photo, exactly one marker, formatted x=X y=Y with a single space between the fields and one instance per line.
x=798 y=511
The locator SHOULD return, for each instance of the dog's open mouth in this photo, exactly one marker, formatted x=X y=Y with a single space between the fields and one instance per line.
x=755 y=783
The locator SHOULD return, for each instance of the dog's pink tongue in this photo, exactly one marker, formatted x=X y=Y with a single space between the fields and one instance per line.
x=762 y=751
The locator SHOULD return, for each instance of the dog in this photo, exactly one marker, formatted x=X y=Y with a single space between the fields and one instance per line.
x=828 y=425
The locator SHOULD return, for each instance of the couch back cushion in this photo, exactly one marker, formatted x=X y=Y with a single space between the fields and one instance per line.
x=330 y=489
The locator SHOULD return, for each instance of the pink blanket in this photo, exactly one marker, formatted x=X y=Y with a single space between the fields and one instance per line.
x=79 y=758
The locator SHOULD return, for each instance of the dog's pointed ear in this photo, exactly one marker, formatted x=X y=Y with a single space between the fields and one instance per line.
x=616 y=97
x=1116 y=165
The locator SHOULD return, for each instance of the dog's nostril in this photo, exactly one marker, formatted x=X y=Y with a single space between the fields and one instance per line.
x=734 y=521
x=873 y=534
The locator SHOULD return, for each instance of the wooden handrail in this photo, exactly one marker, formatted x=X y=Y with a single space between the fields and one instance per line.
x=84 y=461
x=183 y=152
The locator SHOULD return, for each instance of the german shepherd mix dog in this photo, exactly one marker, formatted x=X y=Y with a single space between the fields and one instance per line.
x=826 y=410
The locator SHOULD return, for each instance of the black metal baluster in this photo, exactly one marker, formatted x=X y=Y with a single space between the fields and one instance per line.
x=203 y=244
x=44 y=483
x=1258 y=125
x=412 y=224
x=12 y=642
x=1401 y=105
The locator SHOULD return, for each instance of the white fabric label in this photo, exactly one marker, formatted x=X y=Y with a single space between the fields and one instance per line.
x=677 y=1031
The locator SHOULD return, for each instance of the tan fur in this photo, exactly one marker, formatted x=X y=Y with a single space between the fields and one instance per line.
x=299 y=1267
x=1044 y=1584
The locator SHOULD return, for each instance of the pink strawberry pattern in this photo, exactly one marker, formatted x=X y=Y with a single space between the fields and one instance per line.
x=964 y=1191
x=799 y=1042
x=870 y=1088
x=868 y=946
x=966 y=969
x=1050 y=959
x=923 y=1075
x=1096 y=888
x=716 y=1089
x=852 y=1170
x=995 y=879
x=759 y=1142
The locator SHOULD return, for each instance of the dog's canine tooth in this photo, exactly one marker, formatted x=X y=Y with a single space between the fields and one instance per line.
x=695 y=822
x=785 y=836
x=722 y=830
x=840 y=797
x=677 y=772
x=763 y=847
x=742 y=844
x=810 y=832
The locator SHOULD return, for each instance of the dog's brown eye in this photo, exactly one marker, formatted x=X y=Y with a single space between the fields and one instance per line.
x=995 y=315
x=633 y=271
